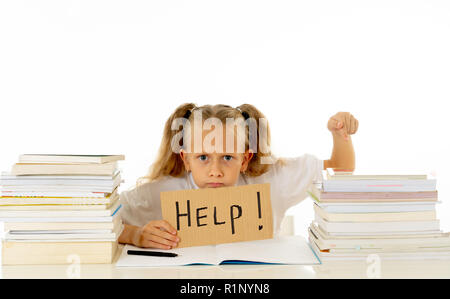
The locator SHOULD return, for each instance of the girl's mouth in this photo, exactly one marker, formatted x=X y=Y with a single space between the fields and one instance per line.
x=214 y=185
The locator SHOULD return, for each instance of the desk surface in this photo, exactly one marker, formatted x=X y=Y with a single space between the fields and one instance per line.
x=335 y=269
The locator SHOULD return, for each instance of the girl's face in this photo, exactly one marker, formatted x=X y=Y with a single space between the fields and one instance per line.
x=211 y=169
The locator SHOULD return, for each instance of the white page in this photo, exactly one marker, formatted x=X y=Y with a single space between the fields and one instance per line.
x=281 y=249
x=186 y=256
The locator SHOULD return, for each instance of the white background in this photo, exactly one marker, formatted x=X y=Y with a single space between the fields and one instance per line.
x=101 y=77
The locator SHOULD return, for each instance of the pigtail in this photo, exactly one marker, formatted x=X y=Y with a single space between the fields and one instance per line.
x=168 y=162
x=259 y=140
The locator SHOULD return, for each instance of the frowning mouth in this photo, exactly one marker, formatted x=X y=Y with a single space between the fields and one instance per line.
x=214 y=185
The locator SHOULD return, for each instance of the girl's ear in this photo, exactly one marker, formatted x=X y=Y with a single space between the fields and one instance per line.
x=248 y=155
x=183 y=156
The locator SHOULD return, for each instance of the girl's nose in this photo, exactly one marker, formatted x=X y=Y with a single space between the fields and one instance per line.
x=215 y=170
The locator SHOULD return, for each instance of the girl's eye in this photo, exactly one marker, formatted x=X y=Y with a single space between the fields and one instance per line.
x=203 y=157
x=228 y=158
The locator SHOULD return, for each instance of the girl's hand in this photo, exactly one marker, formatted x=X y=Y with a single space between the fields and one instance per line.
x=156 y=234
x=343 y=124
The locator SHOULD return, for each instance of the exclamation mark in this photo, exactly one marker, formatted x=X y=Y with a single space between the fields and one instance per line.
x=259 y=209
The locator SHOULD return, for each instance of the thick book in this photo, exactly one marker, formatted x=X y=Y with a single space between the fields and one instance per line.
x=66 y=181
x=6 y=176
x=379 y=185
x=60 y=188
x=57 y=188
x=383 y=233
x=279 y=250
x=108 y=168
x=378 y=207
x=57 y=207
x=386 y=227
x=60 y=213
x=55 y=219
x=367 y=251
x=365 y=255
x=348 y=236
x=321 y=196
x=25 y=200
x=331 y=174
x=375 y=217
x=442 y=240
x=48 y=226
x=86 y=252
x=61 y=193
x=57 y=235
x=61 y=158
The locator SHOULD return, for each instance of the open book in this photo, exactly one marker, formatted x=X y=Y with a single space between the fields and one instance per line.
x=279 y=250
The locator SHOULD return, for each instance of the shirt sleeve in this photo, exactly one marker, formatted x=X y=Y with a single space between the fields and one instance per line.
x=294 y=177
x=135 y=206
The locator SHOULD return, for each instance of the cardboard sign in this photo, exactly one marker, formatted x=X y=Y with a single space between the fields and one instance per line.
x=219 y=215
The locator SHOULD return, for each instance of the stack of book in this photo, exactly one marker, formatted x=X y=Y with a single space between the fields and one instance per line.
x=393 y=216
x=61 y=208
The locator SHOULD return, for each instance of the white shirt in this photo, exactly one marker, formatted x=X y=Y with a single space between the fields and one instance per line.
x=289 y=184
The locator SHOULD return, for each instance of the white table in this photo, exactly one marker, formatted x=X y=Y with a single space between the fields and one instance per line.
x=335 y=269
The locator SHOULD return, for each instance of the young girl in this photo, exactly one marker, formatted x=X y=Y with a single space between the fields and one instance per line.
x=179 y=167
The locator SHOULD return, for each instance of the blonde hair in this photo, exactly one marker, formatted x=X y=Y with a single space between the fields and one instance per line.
x=169 y=163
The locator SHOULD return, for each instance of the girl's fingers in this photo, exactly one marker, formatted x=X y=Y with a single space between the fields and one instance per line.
x=334 y=124
x=167 y=244
x=344 y=133
x=342 y=129
x=338 y=125
x=163 y=234
x=166 y=225
x=152 y=230
x=155 y=230
x=331 y=124
x=344 y=124
x=152 y=244
x=163 y=241
x=356 y=126
x=349 y=121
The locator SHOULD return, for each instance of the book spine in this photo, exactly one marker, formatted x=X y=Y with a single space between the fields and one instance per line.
x=344 y=227
x=52 y=194
x=20 y=253
x=380 y=186
x=61 y=169
x=379 y=195
x=57 y=214
x=378 y=208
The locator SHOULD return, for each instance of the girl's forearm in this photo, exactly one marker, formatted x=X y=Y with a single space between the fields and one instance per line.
x=128 y=234
x=343 y=155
